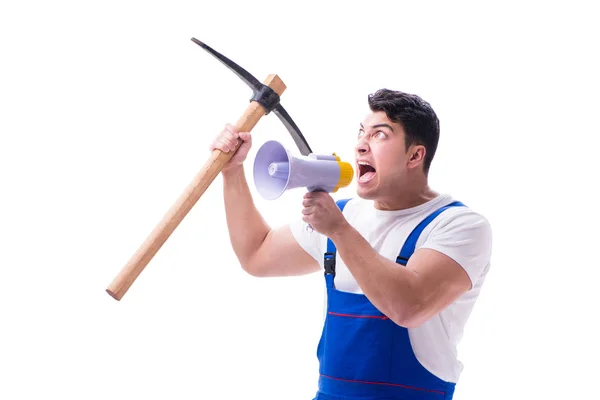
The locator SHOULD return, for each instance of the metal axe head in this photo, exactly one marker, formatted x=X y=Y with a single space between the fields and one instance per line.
x=263 y=95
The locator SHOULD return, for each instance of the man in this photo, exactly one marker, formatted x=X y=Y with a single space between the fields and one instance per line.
x=403 y=264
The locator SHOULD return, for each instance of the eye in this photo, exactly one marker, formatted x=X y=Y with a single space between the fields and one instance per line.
x=380 y=135
x=360 y=133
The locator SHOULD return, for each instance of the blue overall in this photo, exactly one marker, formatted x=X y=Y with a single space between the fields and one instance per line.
x=362 y=353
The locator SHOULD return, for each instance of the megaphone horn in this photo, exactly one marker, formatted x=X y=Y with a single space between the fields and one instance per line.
x=276 y=170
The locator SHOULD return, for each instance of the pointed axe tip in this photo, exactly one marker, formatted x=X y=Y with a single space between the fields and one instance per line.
x=197 y=41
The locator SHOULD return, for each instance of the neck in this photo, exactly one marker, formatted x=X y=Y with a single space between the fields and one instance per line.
x=411 y=194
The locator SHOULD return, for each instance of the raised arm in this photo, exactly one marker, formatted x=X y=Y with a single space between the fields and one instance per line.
x=262 y=251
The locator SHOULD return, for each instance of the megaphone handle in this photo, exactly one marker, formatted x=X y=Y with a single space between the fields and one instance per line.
x=309 y=227
x=129 y=273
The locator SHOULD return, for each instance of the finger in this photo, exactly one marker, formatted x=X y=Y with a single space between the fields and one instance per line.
x=230 y=142
x=218 y=144
x=233 y=145
x=315 y=195
x=230 y=135
x=231 y=138
x=231 y=128
x=246 y=141
x=308 y=211
x=308 y=202
x=221 y=144
x=225 y=141
x=245 y=136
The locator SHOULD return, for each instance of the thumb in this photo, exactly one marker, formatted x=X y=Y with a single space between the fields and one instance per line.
x=246 y=140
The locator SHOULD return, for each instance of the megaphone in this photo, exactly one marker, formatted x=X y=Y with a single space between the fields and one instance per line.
x=276 y=170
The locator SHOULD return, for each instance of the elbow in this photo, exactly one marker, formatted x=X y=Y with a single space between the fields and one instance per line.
x=409 y=315
x=253 y=260
x=252 y=268
x=253 y=271
x=410 y=322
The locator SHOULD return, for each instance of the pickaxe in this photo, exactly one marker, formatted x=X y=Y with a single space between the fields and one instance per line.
x=265 y=99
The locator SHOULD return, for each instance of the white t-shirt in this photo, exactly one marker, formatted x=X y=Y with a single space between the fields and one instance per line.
x=458 y=232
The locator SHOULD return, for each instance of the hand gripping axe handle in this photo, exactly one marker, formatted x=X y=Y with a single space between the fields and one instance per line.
x=264 y=100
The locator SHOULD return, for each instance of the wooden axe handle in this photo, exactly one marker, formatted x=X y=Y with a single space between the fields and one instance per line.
x=188 y=198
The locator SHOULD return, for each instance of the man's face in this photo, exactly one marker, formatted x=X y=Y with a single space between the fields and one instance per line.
x=381 y=157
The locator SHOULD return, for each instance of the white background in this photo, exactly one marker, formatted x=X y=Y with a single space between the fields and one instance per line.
x=107 y=110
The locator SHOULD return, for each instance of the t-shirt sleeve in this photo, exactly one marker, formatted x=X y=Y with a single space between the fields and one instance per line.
x=311 y=241
x=466 y=237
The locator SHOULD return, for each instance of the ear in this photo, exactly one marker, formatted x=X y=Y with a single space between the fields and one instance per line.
x=417 y=155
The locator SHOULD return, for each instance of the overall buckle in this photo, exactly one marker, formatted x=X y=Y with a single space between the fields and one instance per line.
x=329 y=263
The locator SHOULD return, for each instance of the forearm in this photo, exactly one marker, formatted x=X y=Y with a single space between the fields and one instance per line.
x=247 y=228
x=392 y=289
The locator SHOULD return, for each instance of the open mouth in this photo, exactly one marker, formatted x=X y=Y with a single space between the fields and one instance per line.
x=366 y=172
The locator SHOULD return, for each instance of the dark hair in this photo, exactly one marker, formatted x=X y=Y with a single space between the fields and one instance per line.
x=416 y=116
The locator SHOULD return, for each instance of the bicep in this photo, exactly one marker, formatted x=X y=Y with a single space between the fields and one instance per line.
x=281 y=255
x=439 y=281
x=451 y=260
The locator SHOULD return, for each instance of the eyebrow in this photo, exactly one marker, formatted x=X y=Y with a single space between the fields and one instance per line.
x=379 y=126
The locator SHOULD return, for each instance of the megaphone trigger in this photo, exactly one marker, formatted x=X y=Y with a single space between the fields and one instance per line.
x=276 y=170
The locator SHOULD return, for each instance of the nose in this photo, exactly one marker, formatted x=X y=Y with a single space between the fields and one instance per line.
x=362 y=146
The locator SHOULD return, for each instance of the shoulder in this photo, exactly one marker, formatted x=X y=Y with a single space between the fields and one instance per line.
x=459 y=217
x=352 y=205
x=462 y=234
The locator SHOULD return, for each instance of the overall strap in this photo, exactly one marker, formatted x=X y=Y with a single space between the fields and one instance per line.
x=329 y=256
x=409 y=246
